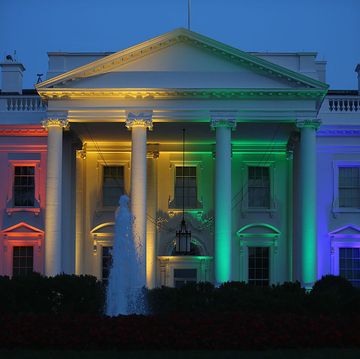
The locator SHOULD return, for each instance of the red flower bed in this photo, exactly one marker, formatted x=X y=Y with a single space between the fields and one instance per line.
x=179 y=331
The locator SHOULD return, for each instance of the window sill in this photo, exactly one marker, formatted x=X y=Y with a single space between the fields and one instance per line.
x=259 y=210
x=345 y=210
x=35 y=210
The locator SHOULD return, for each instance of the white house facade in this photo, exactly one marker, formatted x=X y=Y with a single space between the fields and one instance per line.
x=271 y=177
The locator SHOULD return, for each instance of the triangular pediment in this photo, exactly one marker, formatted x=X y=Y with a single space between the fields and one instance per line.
x=180 y=59
x=22 y=227
x=258 y=230
x=349 y=230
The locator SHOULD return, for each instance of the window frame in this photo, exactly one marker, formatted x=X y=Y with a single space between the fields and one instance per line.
x=269 y=263
x=352 y=268
x=186 y=198
x=167 y=264
x=10 y=207
x=12 y=259
x=107 y=245
x=251 y=236
x=184 y=279
x=340 y=239
x=245 y=187
x=248 y=187
x=336 y=205
x=100 y=167
x=199 y=194
x=103 y=182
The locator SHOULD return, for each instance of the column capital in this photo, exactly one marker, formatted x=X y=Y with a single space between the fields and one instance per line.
x=57 y=119
x=308 y=123
x=222 y=119
x=152 y=150
x=81 y=153
x=139 y=119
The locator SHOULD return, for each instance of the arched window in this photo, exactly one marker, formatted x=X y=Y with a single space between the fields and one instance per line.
x=258 y=249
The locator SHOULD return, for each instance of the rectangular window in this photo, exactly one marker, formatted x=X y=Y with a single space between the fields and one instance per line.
x=349 y=265
x=24 y=186
x=23 y=260
x=106 y=263
x=349 y=187
x=185 y=177
x=113 y=185
x=258 y=187
x=259 y=266
x=184 y=276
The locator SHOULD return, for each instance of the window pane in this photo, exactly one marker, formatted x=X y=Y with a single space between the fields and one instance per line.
x=349 y=265
x=113 y=185
x=106 y=262
x=258 y=270
x=24 y=186
x=349 y=187
x=184 y=276
x=23 y=260
x=186 y=184
x=258 y=187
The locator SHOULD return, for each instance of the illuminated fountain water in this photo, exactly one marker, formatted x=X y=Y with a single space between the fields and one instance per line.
x=124 y=293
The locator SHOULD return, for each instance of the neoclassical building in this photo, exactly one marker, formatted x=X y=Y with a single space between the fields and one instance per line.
x=271 y=177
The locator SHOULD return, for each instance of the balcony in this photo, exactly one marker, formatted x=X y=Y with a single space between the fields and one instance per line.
x=344 y=104
x=22 y=103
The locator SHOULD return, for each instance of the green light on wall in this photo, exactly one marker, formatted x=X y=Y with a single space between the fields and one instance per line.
x=223 y=248
x=309 y=249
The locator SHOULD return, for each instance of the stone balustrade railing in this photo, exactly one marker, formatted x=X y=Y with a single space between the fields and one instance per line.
x=22 y=104
x=343 y=104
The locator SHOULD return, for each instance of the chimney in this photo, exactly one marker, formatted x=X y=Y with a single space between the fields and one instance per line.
x=11 y=75
x=357 y=69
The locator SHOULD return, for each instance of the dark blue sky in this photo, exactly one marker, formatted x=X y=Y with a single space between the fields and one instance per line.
x=330 y=27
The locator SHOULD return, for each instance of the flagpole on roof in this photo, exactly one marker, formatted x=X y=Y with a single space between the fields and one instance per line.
x=189 y=13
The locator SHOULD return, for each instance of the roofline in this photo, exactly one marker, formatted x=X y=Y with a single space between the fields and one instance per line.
x=311 y=53
x=61 y=53
x=58 y=53
x=193 y=36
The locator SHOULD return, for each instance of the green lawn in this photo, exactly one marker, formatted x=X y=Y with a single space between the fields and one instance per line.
x=276 y=354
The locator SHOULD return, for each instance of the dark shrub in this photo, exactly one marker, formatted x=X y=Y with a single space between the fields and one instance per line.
x=60 y=294
x=333 y=294
x=288 y=297
x=193 y=297
x=229 y=297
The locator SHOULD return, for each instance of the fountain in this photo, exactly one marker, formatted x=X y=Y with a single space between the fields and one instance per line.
x=125 y=293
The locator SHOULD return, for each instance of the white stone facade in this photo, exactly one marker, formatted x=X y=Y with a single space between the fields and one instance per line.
x=268 y=146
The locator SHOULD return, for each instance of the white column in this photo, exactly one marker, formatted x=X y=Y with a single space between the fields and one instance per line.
x=54 y=126
x=223 y=232
x=139 y=123
x=151 y=229
x=307 y=189
x=79 y=220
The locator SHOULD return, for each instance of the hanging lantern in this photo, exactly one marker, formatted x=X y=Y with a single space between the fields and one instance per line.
x=183 y=236
x=183 y=239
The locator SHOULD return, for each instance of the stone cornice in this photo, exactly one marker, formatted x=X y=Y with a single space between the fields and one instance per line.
x=22 y=131
x=173 y=93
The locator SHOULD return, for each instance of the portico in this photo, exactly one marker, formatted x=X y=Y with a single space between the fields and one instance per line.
x=182 y=79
